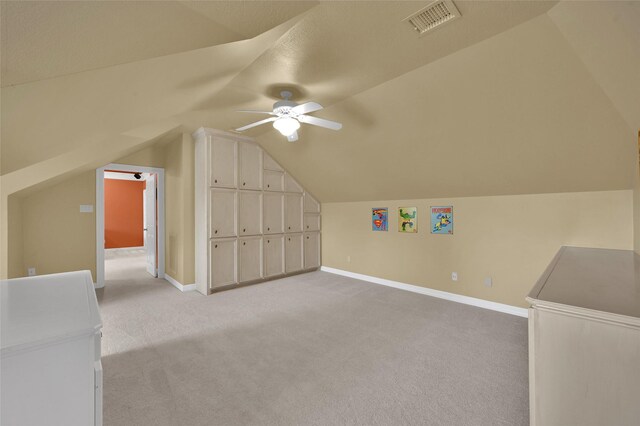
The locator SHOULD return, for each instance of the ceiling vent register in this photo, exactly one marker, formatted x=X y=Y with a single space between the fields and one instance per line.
x=433 y=16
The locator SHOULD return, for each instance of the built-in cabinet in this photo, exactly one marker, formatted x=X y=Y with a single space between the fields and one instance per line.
x=254 y=221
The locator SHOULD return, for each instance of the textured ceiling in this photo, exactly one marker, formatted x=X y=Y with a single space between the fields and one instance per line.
x=45 y=39
x=77 y=76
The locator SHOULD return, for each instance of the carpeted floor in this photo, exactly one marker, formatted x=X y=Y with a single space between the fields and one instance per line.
x=313 y=349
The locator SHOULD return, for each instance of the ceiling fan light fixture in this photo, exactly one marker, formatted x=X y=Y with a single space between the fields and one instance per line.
x=286 y=125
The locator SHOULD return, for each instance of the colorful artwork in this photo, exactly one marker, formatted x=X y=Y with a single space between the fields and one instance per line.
x=408 y=219
x=442 y=220
x=380 y=219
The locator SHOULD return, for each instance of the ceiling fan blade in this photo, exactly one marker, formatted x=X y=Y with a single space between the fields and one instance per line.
x=333 y=125
x=293 y=137
x=306 y=108
x=257 y=123
x=257 y=112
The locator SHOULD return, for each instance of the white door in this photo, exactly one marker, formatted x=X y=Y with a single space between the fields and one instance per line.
x=149 y=208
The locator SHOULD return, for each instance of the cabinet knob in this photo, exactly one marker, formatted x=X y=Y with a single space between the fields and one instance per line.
x=215 y=232
x=215 y=181
x=268 y=229
x=307 y=226
x=244 y=183
x=268 y=186
x=289 y=239
x=244 y=229
x=289 y=227
x=268 y=241
x=244 y=243
x=216 y=246
x=307 y=238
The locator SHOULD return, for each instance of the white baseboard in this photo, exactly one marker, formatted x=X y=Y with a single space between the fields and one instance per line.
x=178 y=285
x=494 y=306
x=98 y=286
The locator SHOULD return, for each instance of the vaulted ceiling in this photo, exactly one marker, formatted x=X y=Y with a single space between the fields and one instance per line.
x=508 y=99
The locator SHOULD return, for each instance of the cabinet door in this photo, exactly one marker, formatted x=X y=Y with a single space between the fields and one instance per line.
x=222 y=262
x=273 y=246
x=249 y=213
x=250 y=259
x=222 y=211
x=273 y=181
x=290 y=184
x=312 y=250
x=222 y=162
x=270 y=164
x=311 y=205
x=311 y=222
x=293 y=213
x=273 y=214
x=250 y=164
x=293 y=253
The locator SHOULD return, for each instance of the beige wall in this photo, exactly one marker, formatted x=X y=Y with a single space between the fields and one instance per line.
x=56 y=236
x=14 y=253
x=48 y=232
x=510 y=238
x=636 y=204
x=179 y=179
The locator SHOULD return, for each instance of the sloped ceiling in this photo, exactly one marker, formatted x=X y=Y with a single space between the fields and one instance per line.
x=514 y=110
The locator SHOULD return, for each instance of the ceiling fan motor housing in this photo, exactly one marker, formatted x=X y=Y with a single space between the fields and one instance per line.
x=283 y=107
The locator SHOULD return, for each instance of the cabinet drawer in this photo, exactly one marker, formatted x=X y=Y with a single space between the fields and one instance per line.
x=249 y=259
x=222 y=211
x=311 y=222
x=273 y=181
x=223 y=156
x=222 y=262
x=273 y=248
x=293 y=253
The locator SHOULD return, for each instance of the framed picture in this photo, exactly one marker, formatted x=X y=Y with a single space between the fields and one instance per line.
x=380 y=219
x=408 y=219
x=442 y=220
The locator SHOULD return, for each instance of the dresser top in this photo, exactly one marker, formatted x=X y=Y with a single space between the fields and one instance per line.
x=46 y=308
x=597 y=279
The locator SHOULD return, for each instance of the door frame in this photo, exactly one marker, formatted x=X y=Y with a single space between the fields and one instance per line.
x=100 y=215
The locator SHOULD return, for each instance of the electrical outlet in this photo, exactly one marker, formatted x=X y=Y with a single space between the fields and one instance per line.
x=488 y=281
x=31 y=272
x=454 y=276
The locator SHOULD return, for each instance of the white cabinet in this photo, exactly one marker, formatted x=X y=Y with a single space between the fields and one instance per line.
x=311 y=250
x=222 y=210
x=50 y=367
x=290 y=184
x=584 y=340
x=250 y=166
x=250 y=213
x=311 y=205
x=222 y=263
x=273 y=246
x=311 y=222
x=293 y=213
x=273 y=181
x=273 y=213
x=223 y=153
x=293 y=253
x=250 y=259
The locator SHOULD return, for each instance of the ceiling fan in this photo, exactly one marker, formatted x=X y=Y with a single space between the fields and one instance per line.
x=287 y=116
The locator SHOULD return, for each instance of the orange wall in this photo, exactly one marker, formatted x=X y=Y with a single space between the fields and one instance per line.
x=123 y=220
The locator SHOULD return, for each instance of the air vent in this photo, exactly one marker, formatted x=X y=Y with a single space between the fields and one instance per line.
x=433 y=16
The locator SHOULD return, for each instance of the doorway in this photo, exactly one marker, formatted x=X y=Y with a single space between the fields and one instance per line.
x=129 y=220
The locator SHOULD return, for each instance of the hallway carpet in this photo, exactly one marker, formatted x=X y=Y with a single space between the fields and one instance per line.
x=312 y=349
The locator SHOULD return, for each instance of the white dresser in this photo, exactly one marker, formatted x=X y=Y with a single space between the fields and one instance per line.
x=584 y=340
x=50 y=366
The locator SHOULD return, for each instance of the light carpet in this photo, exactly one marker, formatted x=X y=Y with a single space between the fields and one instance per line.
x=311 y=349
